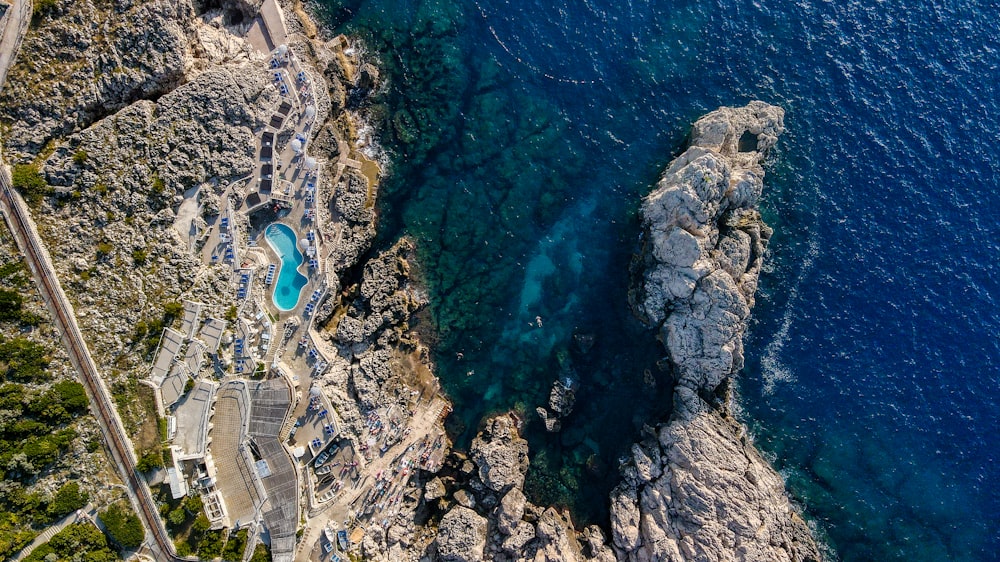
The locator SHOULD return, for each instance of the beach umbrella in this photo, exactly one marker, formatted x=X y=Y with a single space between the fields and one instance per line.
x=310 y=111
x=310 y=163
x=297 y=146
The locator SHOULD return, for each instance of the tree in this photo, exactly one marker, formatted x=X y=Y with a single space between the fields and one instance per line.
x=29 y=181
x=67 y=499
x=149 y=461
x=211 y=545
x=177 y=518
x=234 y=546
x=124 y=528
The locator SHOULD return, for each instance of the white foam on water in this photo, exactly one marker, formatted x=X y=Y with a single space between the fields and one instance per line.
x=773 y=370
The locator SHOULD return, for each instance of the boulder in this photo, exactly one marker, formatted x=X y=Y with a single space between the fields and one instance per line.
x=500 y=454
x=461 y=536
x=511 y=511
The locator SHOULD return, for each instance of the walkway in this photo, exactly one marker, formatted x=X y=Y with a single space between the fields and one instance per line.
x=15 y=21
x=87 y=511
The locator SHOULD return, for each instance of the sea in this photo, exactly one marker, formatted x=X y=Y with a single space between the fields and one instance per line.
x=518 y=138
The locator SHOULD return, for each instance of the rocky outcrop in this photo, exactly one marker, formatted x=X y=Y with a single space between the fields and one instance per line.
x=500 y=454
x=461 y=536
x=697 y=489
x=89 y=60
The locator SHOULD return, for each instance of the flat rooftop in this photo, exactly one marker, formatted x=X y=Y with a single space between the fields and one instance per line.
x=170 y=344
x=191 y=311
x=191 y=416
x=211 y=333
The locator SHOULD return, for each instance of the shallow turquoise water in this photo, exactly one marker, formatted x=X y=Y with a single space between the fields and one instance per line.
x=523 y=134
x=289 y=282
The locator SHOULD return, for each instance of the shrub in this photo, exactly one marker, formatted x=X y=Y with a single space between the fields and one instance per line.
x=124 y=528
x=79 y=157
x=10 y=305
x=23 y=360
x=79 y=541
x=149 y=461
x=261 y=553
x=104 y=249
x=172 y=310
x=42 y=7
x=159 y=186
x=139 y=256
x=28 y=180
x=68 y=499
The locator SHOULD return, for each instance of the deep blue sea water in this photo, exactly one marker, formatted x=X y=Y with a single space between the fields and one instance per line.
x=522 y=135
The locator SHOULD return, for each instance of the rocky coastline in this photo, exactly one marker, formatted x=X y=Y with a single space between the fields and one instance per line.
x=694 y=488
x=130 y=138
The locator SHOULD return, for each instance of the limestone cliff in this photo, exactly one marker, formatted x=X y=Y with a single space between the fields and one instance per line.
x=697 y=489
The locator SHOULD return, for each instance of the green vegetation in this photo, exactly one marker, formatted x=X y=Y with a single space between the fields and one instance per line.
x=67 y=499
x=234 y=546
x=159 y=186
x=149 y=460
x=211 y=544
x=80 y=157
x=231 y=313
x=104 y=249
x=140 y=256
x=261 y=553
x=188 y=386
x=10 y=305
x=79 y=541
x=29 y=181
x=124 y=528
x=23 y=360
x=172 y=310
x=29 y=440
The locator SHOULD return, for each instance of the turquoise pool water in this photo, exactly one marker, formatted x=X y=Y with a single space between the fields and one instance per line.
x=289 y=283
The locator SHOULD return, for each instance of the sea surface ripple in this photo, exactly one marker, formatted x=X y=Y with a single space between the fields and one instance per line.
x=873 y=368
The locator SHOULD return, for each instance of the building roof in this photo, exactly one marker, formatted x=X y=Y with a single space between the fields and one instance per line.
x=253 y=199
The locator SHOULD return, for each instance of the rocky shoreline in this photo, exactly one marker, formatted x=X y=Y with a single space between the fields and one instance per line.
x=694 y=488
x=130 y=138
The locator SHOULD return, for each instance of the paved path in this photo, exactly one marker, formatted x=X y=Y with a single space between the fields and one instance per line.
x=16 y=21
x=47 y=535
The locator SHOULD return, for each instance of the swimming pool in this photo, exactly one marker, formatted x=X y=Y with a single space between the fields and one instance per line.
x=289 y=284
